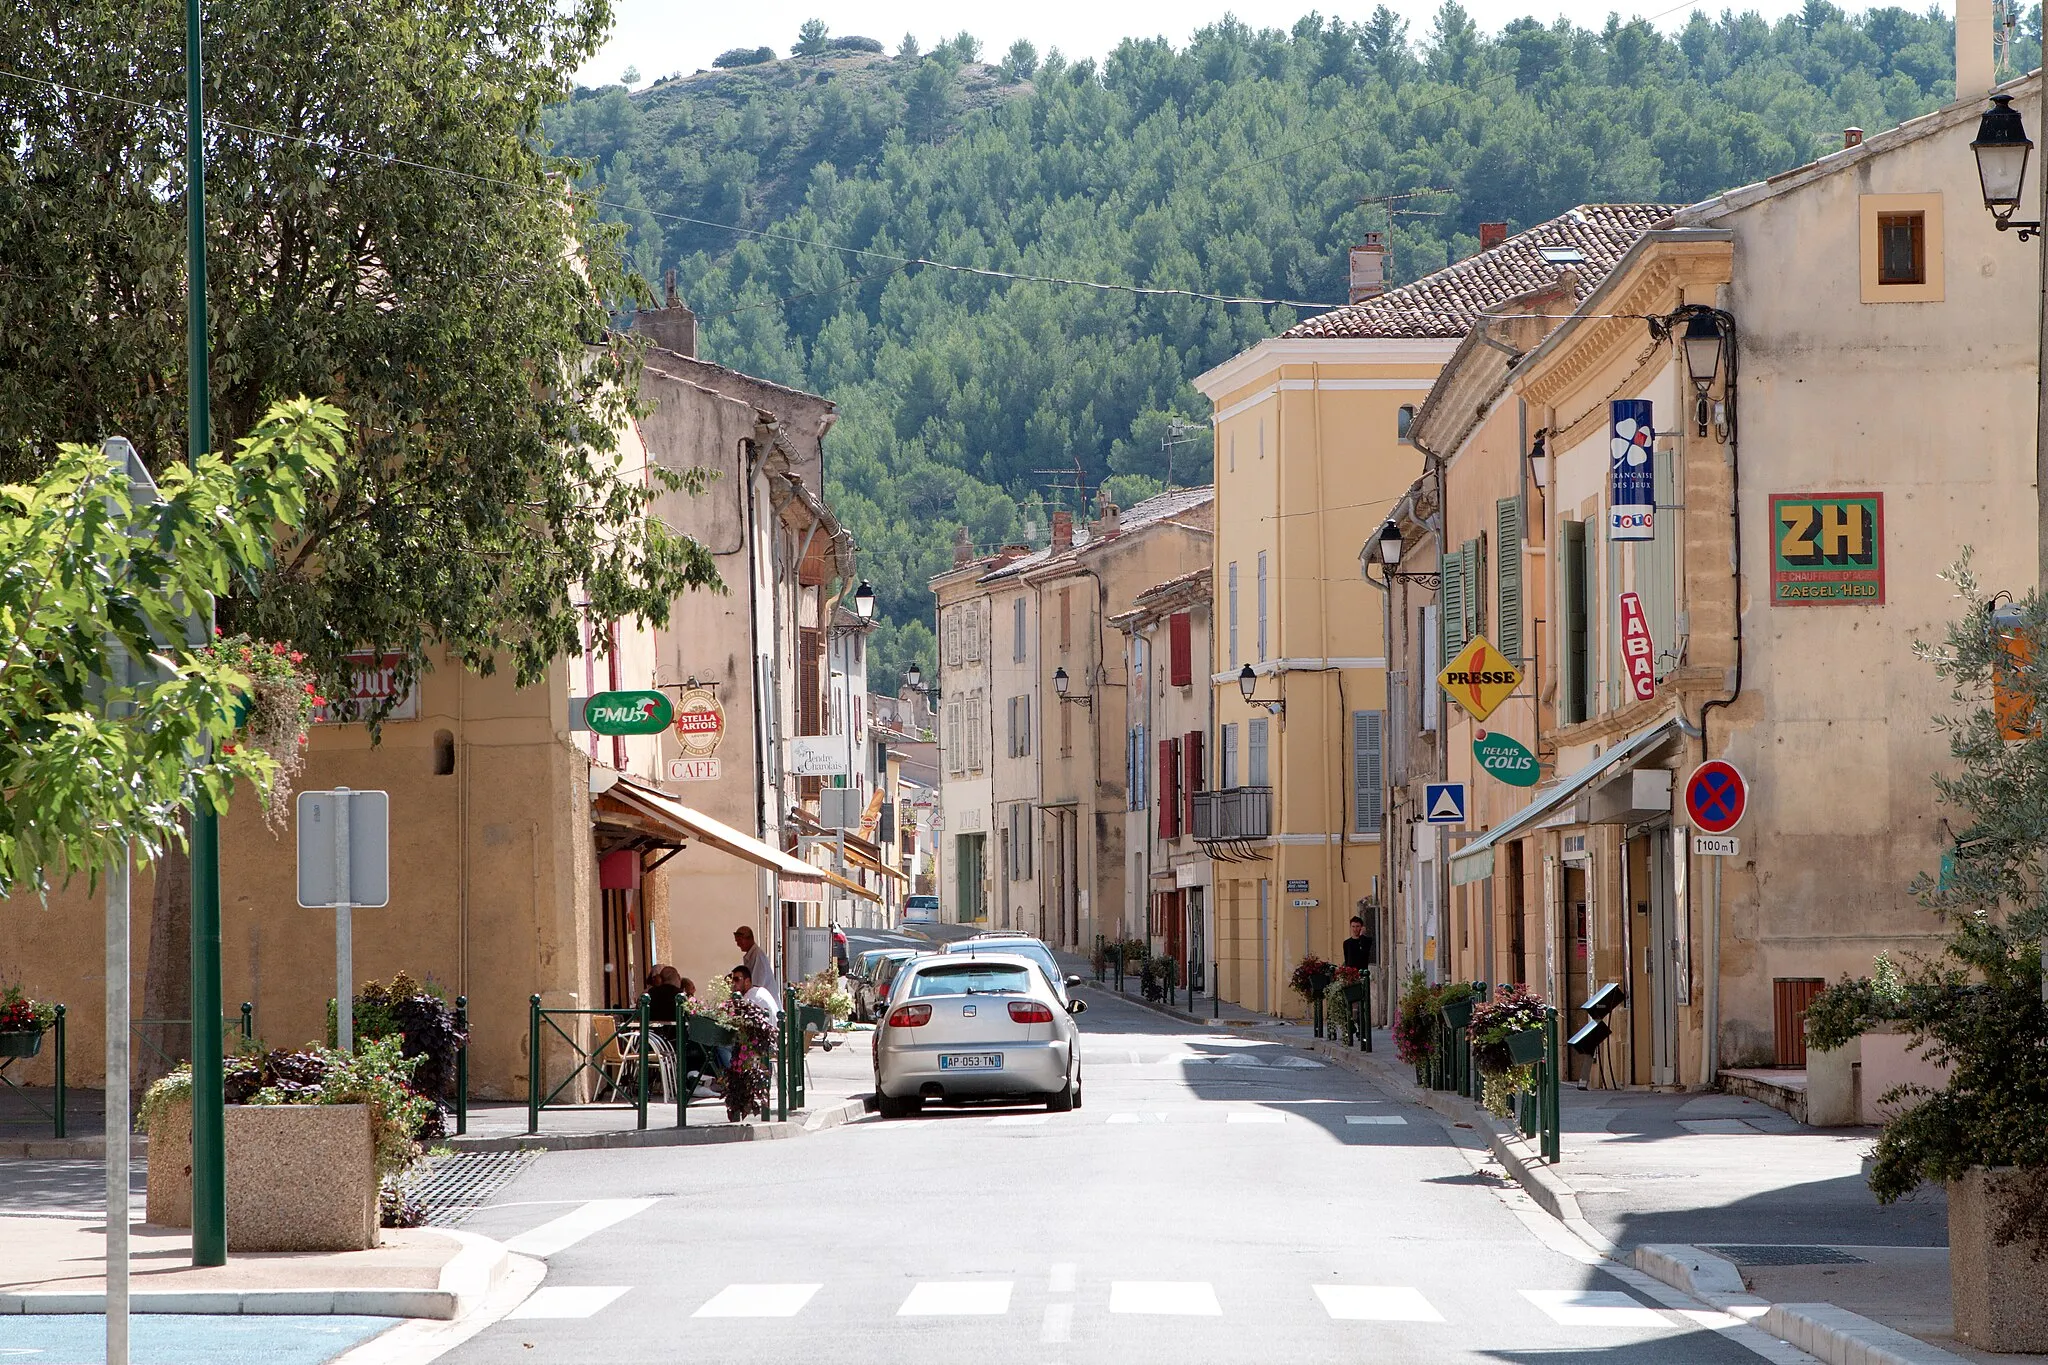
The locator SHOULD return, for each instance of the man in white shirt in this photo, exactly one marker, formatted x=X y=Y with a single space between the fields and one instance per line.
x=743 y=986
x=758 y=965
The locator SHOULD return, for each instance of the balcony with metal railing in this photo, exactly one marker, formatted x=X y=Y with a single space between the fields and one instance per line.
x=1234 y=814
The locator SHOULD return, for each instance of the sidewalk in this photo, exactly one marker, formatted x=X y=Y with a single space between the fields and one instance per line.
x=837 y=1091
x=57 y=1265
x=1720 y=1195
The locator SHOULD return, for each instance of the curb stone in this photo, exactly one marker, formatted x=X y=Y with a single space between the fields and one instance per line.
x=814 y=1122
x=468 y=1279
x=1840 y=1337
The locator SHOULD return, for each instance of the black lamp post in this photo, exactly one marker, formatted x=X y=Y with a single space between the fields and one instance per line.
x=1248 y=683
x=1704 y=342
x=864 y=601
x=1060 y=684
x=1386 y=551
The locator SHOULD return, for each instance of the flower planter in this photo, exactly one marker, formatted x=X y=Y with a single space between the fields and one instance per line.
x=1458 y=1013
x=25 y=1043
x=1525 y=1047
x=300 y=1177
x=2000 y=1292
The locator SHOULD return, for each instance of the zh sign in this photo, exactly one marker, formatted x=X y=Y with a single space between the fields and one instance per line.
x=1827 y=549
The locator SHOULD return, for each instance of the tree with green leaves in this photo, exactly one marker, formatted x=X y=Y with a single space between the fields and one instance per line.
x=1020 y=61
x=92 y=760
x=812 y=40
x=387 y=230
x=1980 y=1007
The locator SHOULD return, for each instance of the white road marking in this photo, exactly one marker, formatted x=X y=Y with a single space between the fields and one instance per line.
x=1061 y=1279
x=1059 y=1323
x=1159 y=1117
x=1594 y=1308
x=957 y=1298
x=1261 y=1116
x=1169 y=1298
x=1298 y=1063
x=1020 y=1120
x=566 y=1301
x=1123 y=1118
x=758 y=1301
x=1374 y=1118
x=1376 y=1303
x=559 y=1234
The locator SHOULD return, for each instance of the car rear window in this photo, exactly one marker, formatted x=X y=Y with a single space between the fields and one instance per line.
x=1036 y=952
x=977 y=977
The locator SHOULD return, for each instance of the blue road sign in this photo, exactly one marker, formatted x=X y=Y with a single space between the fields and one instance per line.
x=1443 y=803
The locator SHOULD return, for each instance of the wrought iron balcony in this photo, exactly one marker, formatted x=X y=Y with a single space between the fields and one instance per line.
x=1234 y=813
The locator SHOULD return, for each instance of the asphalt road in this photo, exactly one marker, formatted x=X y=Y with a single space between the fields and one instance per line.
x=1214 y=1200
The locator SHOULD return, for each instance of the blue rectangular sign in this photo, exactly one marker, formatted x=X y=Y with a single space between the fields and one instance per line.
x=1443 y=803
x=1631 y=471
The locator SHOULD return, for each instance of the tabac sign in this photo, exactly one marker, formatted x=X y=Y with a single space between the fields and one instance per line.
x=1827 y=549
x=1479 y=678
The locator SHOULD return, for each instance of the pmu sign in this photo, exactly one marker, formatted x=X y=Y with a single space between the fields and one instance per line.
x=628 y=713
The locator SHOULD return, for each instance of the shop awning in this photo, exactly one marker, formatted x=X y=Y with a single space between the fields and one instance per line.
x=795 y=880
x=1475 y=860
x=848 y=884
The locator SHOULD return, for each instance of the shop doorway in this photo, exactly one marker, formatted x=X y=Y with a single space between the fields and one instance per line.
x=1198 y=947
x=1575 y=956
x=1652 y=945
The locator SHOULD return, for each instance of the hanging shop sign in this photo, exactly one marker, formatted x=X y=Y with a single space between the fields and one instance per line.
x=1479 y=678
x=1507 y=758
x=1827 y=549
x=1631 y=471
x=372 y=682
x=700 y=722
x=628 y=713
x=1638 y=655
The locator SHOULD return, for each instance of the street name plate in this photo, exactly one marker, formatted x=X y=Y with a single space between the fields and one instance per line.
x=1306 y=902
x=1717 y=845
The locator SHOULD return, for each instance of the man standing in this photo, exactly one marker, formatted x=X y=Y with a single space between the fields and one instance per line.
x=1358 y=948
x=759 y=968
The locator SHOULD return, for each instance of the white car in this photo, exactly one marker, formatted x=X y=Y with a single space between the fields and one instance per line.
x=982 y=1027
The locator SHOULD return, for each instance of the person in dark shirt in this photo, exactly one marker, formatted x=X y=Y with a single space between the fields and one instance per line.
x=664 y=985
x=1358 y=948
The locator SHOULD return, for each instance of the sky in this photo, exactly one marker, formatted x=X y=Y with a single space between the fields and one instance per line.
x=660 y=37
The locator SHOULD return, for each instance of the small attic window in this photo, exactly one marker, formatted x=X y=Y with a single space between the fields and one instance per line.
x=1561 y=255
x=1404 y=418
x=1902 y=248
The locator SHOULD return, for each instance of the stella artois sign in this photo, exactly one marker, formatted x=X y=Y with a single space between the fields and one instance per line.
x=700 y=722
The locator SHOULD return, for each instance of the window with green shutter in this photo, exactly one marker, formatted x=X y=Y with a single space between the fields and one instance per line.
x=1367 y=735
x=1452 y=597
x=1507 y=580
x=1474 y=559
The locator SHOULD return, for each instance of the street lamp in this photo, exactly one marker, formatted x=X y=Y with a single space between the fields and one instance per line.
x=1703 y=344
x=1706 y=335
x=1390 y=546
x=1060 y=684
x=864 y=601
x=1248 y=683
x=1386 y=551
x=2002 y=148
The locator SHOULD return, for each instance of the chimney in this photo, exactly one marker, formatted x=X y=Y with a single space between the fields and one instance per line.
x=1062 y=532
x=1368 y=268
x=1492 y=235
x=673 y=327
x=1105 y=524
x=963 y=548
x=1974 y=51
x=1851 y=137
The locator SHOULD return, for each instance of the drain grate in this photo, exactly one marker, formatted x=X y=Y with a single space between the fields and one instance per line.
x=454 y=1187
x=1786 y=1255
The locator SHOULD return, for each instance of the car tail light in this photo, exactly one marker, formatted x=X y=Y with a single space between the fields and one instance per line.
x=912 y=1016
x=1030 y=1012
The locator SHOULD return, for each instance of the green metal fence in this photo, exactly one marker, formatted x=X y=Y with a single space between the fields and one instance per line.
x=55 y=1110
x=588 y=1061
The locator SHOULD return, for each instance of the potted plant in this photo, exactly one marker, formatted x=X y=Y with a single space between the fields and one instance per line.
x=277 y=711
x=23 y=1022
x=1978 y=1007
x=1311 y=977
x=1415 y=1027
x=1507 y=1042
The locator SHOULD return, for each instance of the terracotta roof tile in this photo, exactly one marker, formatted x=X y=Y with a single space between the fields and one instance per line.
x=1446 y=303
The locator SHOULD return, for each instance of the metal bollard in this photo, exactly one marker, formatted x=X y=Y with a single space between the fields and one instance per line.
x=1215 y=990
x=60 y=1071
x=248 y=1022
x=645 y=1000
x=533 y=1065
x=1553 y=1141
x=462 y=1066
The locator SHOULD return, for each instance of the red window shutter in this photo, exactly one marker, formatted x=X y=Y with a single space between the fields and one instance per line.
x=1191 y=760
x=1169 y=788
x=1180 y=649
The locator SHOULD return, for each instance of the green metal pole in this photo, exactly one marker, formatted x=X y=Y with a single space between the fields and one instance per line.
x=462 y=1066
x=209 y=1155
x=644 y=1002
x=60 y=1071
x=533 y=1064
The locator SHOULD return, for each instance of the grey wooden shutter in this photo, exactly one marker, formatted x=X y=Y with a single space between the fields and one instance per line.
x=1451 y=595
x=1508 y=579
x=1474 y=557
x=1367 y=736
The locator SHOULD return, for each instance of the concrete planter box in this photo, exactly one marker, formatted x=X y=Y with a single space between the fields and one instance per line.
x=2000 y=1292
x=300 y=1177
x=1843 y=1087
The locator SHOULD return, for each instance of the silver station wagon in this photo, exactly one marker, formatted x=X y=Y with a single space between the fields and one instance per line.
x=982 y=1027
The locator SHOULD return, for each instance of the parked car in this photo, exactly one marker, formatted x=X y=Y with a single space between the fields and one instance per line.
x=868 y=990
x=920 y=909
x=886 y=972
x=982 y=1026
x=1032 y=948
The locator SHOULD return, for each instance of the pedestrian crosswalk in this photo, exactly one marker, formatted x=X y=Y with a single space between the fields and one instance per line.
x=1068 y=1296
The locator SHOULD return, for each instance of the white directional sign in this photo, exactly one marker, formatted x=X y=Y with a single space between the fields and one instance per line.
x=1443 y=803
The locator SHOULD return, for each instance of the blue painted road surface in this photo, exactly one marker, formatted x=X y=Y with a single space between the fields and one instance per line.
x=182 y=1339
